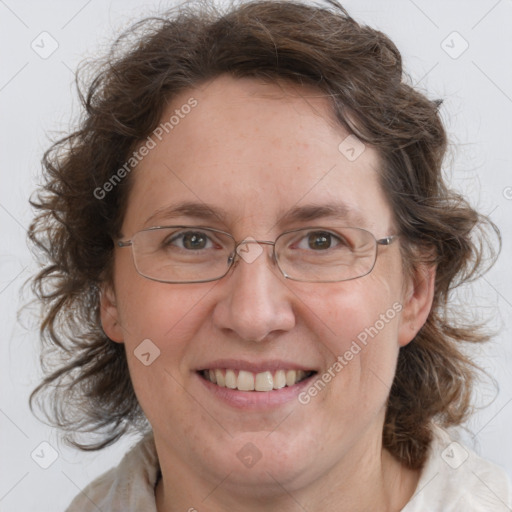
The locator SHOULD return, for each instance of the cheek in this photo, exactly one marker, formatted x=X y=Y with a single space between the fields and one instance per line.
x=358 y=330
x=167 y=314
x=357 y=310
x=147 y=307
x=160 y=323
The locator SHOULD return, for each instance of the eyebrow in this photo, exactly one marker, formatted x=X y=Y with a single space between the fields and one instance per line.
x=191 y=209
x=312 y=212
x=306 y=213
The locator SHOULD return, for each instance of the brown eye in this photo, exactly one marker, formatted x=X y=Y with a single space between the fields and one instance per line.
x=320 y=240
x=195 y=241
x=189 y=240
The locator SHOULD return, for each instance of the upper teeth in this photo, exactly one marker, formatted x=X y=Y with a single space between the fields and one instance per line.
x=248 y=381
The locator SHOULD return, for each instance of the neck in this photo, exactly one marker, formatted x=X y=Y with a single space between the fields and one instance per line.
x=375 y=481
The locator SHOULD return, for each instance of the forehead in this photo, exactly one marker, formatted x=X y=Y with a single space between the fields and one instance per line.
x=255 y=153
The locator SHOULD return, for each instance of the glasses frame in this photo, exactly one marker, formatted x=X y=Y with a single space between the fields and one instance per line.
x=234 y=256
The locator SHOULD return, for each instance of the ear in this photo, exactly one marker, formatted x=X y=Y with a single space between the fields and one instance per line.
x=417 y=303
x=110 y=314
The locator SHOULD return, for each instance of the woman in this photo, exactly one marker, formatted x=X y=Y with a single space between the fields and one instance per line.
x=251 y=251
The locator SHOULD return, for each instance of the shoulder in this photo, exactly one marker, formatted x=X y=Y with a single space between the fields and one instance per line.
x=455 y=478
x=129 y=486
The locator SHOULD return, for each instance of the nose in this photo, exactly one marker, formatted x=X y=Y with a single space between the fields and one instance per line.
x=255 y=302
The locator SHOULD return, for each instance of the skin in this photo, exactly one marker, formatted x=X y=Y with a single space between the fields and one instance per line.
x=257 y=150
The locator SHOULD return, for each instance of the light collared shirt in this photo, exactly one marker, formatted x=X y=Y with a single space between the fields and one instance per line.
x=454 y=479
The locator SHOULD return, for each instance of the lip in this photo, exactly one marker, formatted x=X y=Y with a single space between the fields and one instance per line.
x=255 y=400
x=254 y=367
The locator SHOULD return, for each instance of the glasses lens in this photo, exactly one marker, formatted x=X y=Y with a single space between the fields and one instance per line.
x=182 y=254
x=326 y=254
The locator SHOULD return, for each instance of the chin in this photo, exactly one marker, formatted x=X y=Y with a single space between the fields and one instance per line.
x=270 y=461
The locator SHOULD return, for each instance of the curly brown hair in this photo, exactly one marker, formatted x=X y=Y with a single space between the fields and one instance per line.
x=360 y=70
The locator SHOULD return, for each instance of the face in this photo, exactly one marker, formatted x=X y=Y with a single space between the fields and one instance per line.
x=253 y=154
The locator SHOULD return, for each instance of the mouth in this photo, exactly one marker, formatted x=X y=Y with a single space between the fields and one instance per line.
x=265 y=381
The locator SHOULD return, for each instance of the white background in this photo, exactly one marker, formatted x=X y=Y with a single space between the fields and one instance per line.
x=37 y=98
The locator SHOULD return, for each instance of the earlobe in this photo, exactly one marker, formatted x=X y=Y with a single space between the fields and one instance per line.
x=110 y=314
x=417 y=303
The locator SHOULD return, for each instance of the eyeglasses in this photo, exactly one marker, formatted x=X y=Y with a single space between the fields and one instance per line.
x=192 y=254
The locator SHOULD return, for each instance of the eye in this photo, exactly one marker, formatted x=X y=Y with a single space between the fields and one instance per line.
x=320 y=241
x=189 y=240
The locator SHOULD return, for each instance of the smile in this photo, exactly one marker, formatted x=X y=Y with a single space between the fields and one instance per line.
x=243 y=380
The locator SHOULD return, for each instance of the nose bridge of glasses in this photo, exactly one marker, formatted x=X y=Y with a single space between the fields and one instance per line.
x=251 y=240
x=243 y=250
